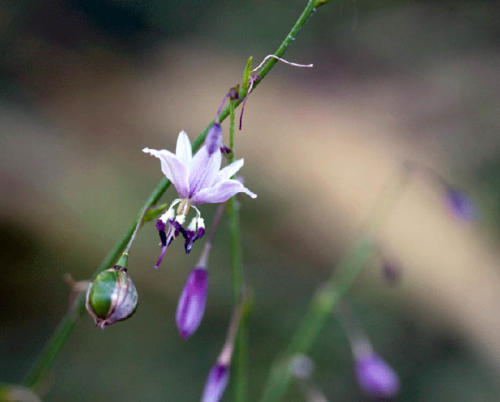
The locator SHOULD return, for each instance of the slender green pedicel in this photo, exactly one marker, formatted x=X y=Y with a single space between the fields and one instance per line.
x=111 y=297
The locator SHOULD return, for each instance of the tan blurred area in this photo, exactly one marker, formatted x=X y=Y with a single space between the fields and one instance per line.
x=319 y=150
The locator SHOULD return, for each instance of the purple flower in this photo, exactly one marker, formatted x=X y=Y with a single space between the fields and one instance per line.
x=192 y=302
x=216 y=383
x=199 y=179
x=213 y=140
x=376 y=378
x=460 y=204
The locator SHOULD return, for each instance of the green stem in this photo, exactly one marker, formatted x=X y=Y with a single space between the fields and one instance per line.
x=55 y=343
x=240 y=359
x=328 y=295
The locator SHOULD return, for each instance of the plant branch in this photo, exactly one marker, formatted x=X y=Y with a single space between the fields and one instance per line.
x=55 y=343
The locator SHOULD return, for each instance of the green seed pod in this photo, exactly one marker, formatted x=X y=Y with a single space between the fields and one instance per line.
x=111 y=297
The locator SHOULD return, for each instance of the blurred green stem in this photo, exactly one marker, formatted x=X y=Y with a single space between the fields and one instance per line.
x=55 y=343
x=328 y=295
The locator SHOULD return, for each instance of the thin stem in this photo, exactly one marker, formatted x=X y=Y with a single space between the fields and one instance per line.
x=55 y=343
x=329 y=294
x=240 y=361
x=231 y=130
x=360 y=344
x=203 y=260
x=136 y=230
x=227 y=350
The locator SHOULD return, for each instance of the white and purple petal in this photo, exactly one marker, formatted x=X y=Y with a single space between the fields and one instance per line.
x=203 y=170
x=173 y=168
x=230 y=170
x=221 y=192
x=183 y=148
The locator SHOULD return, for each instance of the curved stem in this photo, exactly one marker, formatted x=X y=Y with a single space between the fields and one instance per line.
x=328 y=295
x=55 y=343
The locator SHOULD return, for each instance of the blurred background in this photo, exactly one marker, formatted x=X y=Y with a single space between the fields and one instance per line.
x=85 y=85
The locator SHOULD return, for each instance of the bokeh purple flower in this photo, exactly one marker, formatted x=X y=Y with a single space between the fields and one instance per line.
x=375 y=377
x=461 y=205
x=192 y=302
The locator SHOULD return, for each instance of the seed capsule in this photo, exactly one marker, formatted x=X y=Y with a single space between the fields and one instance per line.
x=111 y=297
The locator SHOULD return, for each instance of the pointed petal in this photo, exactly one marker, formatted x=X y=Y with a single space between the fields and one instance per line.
x=203 y=170
x=173 y=168
x=221 y=192
x=230 y=170
x=183 y=148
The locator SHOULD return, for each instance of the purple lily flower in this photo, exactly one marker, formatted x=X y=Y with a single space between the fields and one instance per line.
x=192 y=302
x=216 y=383
x=375 y=377
x=199 y=179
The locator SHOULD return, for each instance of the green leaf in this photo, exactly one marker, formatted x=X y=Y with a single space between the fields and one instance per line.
x=154 y=212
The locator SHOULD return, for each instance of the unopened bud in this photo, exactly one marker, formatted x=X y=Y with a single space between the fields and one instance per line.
x=460 y=205
x=192 y=302
x=213 y=140
x=375 y=377
x=111 y=297
x=216 y=383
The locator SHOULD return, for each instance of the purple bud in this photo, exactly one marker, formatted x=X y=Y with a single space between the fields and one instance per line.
x=192 y=302
x=224 y=149
x=376 y=378
x=213 y=140
x=216 y=383
x=391 y=272
x=460 y=204
x=233 y=94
